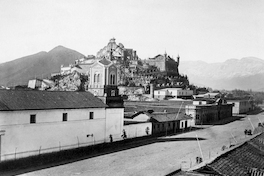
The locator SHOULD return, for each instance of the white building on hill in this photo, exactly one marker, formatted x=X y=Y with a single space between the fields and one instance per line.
x=100 y=72
x=172 y=92
x=36 y=122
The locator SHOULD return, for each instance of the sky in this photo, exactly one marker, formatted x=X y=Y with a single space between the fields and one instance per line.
x=207 y=30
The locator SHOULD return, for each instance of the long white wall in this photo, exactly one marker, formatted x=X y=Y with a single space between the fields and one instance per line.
x=50 y=133
x=138 y=130
x=114 y=123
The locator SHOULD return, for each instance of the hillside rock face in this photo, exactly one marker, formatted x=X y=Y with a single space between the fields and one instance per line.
x=40 y=65
x=71 y=82
x=246 y=73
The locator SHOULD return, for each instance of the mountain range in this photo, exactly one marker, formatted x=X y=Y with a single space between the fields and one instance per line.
x=246 y=73
x=39 y=65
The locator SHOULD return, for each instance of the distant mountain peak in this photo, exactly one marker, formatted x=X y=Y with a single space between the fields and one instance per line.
x=250 y=59
x=41 y=64
x=244 y=73
x=59 y=48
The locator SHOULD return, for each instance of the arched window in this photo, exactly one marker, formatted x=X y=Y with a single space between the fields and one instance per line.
x=94 y=78
x=113 y=79
x=98 y=78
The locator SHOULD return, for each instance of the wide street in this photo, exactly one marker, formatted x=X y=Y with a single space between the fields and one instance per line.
x=163 y=156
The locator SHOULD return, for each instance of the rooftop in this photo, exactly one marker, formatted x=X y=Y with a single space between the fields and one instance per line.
x=11 y=100
x=165 y=117
x=246 y=159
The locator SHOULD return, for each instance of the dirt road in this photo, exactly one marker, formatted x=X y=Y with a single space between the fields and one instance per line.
x=162 y=157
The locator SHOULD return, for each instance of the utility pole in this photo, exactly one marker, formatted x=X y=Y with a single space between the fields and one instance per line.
x=251 y=124
x=177 y=116
x=199 y=147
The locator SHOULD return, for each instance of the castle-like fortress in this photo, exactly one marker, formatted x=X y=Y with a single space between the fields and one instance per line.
x=115 y=64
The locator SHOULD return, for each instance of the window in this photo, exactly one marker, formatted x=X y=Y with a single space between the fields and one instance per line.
x=197 y=116
x=94 y=78
x=113 y=79
x=91 y=115
x=33 y=118
x=64 y=117
x=98 y=78
x=112 y=93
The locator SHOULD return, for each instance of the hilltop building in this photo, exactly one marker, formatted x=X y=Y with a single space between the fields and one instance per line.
x=173 y=93
x=100 y=73
x=117 y=53
x=165 y=63
x=161 y=71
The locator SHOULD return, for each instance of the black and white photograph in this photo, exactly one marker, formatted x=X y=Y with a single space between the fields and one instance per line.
x=132 y=87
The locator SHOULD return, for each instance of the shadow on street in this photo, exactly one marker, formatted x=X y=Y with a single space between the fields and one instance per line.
x=44 y=161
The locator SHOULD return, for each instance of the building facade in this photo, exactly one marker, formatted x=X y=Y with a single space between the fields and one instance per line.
x=100 y=73
x=241 y=106
x=206 y=112
x=36 y=122
x=172 y=92
x=165 y=63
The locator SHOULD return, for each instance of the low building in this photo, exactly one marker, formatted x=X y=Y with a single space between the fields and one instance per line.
x=207 y=111
x=209 y=95
x=40 y=84
x=165 y=123
x=36 y=122
x=173 y=92
x=241 y=106
x=34 y=83
x=137 y=124
x=162 y=122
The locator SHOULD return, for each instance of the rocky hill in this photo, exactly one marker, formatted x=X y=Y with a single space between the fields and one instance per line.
x=246 y=73
x=40 y=65
x=71 y=82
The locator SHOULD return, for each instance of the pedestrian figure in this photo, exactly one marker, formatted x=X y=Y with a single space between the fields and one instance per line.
x=246 y=131
x=111 y=138
x=249 y=132
x=124 y=136
x=147 y=130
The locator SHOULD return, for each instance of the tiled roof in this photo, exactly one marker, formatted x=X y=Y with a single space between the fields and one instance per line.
x=247 y=159
x=38 y=100
x=165 y=117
